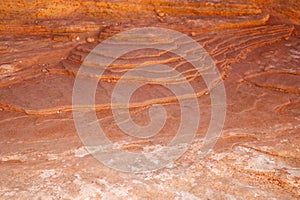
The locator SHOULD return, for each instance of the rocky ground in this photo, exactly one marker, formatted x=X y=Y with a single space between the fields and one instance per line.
x=256 y=47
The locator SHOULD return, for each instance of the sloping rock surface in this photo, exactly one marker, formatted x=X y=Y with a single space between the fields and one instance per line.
x=255 y=45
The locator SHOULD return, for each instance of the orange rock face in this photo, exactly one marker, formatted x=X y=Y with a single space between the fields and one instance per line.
x=255 y=46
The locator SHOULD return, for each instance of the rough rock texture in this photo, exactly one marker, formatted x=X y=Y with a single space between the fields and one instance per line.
x=256 y=47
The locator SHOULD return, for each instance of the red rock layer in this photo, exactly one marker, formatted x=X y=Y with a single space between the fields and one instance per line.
x=255 y=45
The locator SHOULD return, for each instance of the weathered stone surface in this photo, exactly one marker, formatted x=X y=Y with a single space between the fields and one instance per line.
x=256 y=47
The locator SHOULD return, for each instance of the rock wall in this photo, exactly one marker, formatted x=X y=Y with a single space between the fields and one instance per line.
x=256 y=47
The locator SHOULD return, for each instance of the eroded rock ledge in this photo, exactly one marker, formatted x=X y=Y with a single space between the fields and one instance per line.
x=256 y=47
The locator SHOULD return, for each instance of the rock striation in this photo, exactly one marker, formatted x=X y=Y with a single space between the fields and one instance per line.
x=255 y=45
